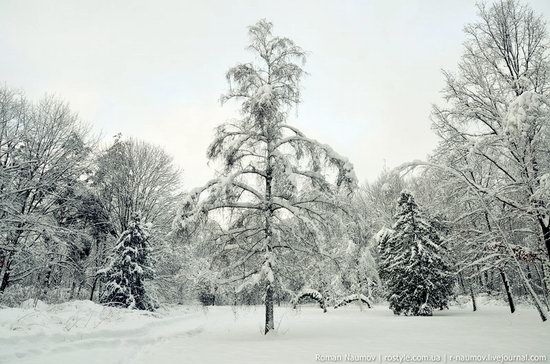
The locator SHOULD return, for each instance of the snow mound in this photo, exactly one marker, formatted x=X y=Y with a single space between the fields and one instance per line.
x=188 y=334
x=86 y=332
x=73 y=316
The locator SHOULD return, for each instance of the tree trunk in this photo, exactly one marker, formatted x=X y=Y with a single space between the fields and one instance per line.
x=269 y=319
x=545 y=235
x=5 y=273
x=507 y=288
x=543 y=284
x=93 y=289
x=536 y=301
x=80 y=285
x=486 y=282
x=461 y=281
x=479 y=278
x=473 y=296
x=46 y=282
x=543 y=314
x=73 y=288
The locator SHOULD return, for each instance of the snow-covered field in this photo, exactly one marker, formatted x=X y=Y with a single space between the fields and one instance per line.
x=84 y=332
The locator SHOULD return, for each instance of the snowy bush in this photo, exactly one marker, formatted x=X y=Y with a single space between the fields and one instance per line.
x=16 y=294
x=353 y=298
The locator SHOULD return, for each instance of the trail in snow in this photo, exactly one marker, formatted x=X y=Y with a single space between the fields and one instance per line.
x=89 y=333
x=188 y=334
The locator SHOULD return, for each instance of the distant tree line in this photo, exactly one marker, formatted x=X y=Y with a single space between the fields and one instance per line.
x=65 y=200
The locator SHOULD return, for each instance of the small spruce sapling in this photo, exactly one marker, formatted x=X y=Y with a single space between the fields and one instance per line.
x=130 y=265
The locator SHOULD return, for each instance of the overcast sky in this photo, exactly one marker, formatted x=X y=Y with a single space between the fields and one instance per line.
x=155 y=69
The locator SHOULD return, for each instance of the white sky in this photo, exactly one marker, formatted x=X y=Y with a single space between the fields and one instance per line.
x=155 y=69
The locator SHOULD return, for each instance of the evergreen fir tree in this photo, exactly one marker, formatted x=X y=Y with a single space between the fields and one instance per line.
x=129 y=267
x=414 y=265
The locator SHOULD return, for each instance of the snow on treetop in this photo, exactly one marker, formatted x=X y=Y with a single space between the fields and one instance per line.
x=523 y=111
x=264 y=94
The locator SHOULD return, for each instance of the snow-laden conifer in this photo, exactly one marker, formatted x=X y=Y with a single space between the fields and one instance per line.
x=130 y=265
x=413 y=263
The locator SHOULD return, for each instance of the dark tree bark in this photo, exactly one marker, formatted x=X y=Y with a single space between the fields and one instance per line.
x=73 y=288
x=92 y=291
x=5 y=276
x=543 y=285
x=473 y=296
x=507 y=289
x=269 y=319
x=46 y=281
x=461 y=281
x=545 y=235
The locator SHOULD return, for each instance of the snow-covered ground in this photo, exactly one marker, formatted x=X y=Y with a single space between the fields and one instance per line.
x=83 y=332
